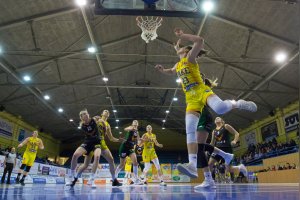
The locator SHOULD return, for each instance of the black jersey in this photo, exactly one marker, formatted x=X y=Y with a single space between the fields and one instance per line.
x=222 y=137
x=90 y=130
x=131 y=138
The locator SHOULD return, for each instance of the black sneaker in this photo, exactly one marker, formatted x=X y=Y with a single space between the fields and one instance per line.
x=22 y=182
x=116 y=183
x=74 y=182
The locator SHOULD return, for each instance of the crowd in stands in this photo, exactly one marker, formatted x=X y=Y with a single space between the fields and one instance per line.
x=286 y=166
x=262 y=149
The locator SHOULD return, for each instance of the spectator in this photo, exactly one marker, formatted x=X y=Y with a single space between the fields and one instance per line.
x=280 y=167
x=294 y=166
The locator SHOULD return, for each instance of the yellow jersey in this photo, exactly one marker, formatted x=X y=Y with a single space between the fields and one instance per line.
x=32 y=145
x=189 y=74
x=149 y=144
x=102 y=129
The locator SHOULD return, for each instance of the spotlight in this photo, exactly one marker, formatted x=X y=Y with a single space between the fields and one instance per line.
x=175 y=99
x=280 y=57
x=208 y=6
x=60 y=110
x=26 y=78
x=46 y=97
x=105 y=79
x=117 y=120
x=178 y=80
x=92 y=49
x=80 y=2
x=164 y=121
x=114 y=111
x=71 y=120
x=163 y=128
x=167 y=111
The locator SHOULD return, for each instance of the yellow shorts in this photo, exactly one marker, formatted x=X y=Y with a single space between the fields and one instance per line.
x=128 y=168
x=103 y=145
x=28 y=159
x=196 y=98
x=148 y=155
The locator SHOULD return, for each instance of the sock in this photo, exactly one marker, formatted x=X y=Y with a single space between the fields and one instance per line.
x=18 y=177
x=113 y=176
x=72 y=173
x=193 y=160
x=207 y=176
x=117 y=171
x=135 y=171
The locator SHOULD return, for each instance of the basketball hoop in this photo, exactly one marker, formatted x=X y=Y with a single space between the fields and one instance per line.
x=149 y=27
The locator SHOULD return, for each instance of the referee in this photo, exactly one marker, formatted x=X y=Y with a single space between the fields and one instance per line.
x=9 y=164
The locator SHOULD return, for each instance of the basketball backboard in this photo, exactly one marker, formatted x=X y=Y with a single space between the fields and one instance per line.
x=166 y=8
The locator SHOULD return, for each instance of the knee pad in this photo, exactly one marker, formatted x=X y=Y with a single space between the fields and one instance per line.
x=147 y=167
x=156 y=163
x=27 y=168
x=191 y=122
x=23 y=166
x=219 y=106
x=202 y=159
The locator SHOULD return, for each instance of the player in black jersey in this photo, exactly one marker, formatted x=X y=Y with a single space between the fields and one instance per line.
x=127 y=149
x=138 y=152
x=221 y=138
x=92 y=142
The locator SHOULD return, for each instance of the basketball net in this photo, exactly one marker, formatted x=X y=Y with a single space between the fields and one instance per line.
x=149 y=27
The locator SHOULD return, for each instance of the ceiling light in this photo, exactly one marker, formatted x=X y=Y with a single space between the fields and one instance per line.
x=167 y=111
x=26 y=78
x=71 y=120
x=280 y=57
x=92 y=49
x=175 y=99
x=105 y=79
x=208 y=6
x=80 y=2
x=60 y=110
x=46 y=97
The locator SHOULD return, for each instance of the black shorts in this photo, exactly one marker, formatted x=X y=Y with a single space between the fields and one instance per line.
x=219 y=158
x=91 y=145
x=125 y=150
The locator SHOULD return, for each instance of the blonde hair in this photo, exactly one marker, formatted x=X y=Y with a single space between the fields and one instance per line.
x=80 y=115
x=223 y=122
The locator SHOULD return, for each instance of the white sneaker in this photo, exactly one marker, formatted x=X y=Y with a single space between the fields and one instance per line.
x=244 y=170
x=247 y=105
x=188 y=169
x=206 y=184
x=228 y=158
x=162 y=183
x=91 y=182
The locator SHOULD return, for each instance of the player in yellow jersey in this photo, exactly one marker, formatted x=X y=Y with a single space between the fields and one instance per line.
x=105 y=129
x=32 y=145
x=149 y=154
x=128 y=170
x=197 y=95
